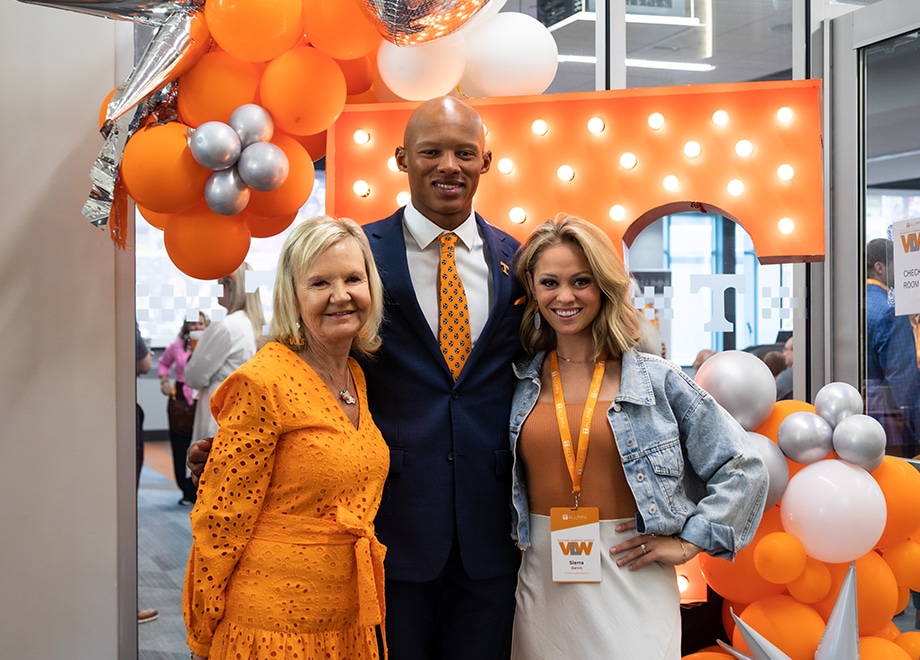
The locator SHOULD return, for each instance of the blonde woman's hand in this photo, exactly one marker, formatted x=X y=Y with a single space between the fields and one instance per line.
x=644 y=549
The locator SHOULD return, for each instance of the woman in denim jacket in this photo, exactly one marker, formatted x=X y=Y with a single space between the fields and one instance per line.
x=669 y=475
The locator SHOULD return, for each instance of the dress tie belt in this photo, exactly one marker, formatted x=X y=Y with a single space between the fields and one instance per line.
x=343 y=527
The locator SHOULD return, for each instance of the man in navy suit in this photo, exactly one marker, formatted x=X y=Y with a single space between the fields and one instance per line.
x=451 y=566
x=445 y=516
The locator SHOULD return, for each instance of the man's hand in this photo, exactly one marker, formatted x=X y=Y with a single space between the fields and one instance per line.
x=197 y=456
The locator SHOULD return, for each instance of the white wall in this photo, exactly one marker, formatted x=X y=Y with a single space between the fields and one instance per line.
x=67 y=495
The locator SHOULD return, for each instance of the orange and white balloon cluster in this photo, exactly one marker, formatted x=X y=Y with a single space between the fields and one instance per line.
x=834 y=498
x=299 y=62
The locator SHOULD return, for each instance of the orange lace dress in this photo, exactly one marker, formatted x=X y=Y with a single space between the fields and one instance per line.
x=284 y=562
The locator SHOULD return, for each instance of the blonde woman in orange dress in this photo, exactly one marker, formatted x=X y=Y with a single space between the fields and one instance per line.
x=284 y=561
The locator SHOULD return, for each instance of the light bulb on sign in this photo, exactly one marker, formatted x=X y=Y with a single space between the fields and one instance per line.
x=655 y=120
x=505 y=165
x=361 y=136
x=517 y=215
x=671 y=183
x=720 y=118
x=628 y=161
x=539 y=127
x=744 y=148
x=361 y=188
x=785 y=172
x=617 y=213
x=692 y=149
x=735 y=187
x=565 y=173
x=785 y=226
x=403 y=198
x=596 y=125
x=391 y=164
x=784 y=115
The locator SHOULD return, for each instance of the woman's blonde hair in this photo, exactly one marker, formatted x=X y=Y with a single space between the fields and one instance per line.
x=304 y=244
x=249 y=303
x=616 y=327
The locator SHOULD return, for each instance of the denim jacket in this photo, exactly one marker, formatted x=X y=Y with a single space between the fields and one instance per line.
x=689 y=464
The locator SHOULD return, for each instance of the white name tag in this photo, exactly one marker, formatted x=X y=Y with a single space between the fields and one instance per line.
x=576 y=547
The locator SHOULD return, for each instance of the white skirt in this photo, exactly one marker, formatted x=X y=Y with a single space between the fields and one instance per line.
x=628 y=616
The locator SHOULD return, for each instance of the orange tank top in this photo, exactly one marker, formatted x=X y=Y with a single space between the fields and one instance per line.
x=548 y=482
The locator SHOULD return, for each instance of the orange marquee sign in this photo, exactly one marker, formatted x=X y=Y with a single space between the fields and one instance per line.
x=621 y=159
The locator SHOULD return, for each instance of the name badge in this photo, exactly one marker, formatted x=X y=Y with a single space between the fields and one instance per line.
x=576 y=547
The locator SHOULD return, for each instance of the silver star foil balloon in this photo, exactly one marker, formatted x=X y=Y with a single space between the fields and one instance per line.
x=413 y=22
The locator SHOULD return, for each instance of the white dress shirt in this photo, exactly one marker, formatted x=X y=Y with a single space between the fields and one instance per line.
x=423 y=252
x=224 y=346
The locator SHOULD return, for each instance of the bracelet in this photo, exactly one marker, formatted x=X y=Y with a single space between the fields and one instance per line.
x=683 y=548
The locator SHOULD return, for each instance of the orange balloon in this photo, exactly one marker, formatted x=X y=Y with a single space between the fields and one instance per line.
x=304 y=90
x=295 y=191
x=153 y=218
x=876 y=592
x=359 y=74
x=779 y=557
x=105 y=107
x=263 y=227
x=728 y=622
x=904 y=560
x=314 y=144
x=813 y=584
x=340 y=29
x=738 y=580
x=204 y=244
x=158 y=169
x=876 y=648
x=216 y=86
x=889 y=631
x=707 y=655
x=910 y=642
x=900 y=483
x=791 y=626
x=255 y=30
x=903 y=599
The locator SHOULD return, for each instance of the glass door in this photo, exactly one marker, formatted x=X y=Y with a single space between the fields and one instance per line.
x=873 y=80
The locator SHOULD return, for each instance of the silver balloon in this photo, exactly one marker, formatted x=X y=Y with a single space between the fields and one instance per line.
x=252 y=123
x=413 y=22
x=742 y=384
x=226 y=193
x=835 y=401
x=860 y=439
x=263 y=166
x=805 y=437
x=215 y=145
x=777 y=467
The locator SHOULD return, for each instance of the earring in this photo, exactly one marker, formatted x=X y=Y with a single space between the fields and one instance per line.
x=536 y=318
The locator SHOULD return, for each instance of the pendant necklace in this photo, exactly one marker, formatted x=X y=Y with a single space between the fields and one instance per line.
x=346 y=396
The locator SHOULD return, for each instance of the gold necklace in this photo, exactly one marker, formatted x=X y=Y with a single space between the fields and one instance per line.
x=575 y=361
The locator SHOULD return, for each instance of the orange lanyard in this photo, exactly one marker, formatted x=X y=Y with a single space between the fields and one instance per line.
x=576 y=466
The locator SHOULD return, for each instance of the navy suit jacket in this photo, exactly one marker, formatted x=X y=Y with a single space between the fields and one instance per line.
x=450 y=462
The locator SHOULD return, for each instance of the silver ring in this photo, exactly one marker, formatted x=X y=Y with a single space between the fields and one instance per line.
x=644 y=551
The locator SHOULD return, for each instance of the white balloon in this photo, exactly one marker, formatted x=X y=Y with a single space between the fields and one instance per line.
x=777 y=467
x=805 y=437
x=511 y=54
x=836 y=401
x=837 y=510
x=419 y=73
x=742 y=384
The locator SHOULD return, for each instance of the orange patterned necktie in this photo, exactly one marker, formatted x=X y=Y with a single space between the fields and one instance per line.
x=453 y=314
